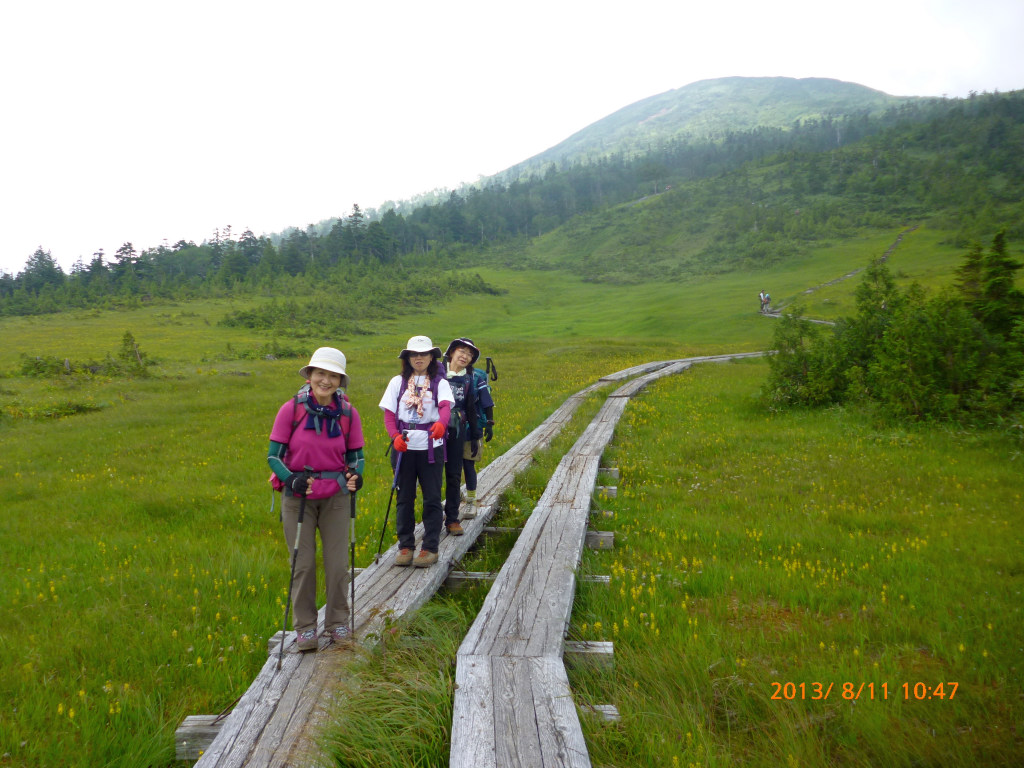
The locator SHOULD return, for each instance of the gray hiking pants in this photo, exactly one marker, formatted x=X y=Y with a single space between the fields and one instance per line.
x=331 y=517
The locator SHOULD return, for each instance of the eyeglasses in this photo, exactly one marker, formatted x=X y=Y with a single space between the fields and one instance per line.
x=420 y=354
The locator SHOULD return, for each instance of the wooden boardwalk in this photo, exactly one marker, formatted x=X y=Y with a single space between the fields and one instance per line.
x=513 y=705
x=273 y=723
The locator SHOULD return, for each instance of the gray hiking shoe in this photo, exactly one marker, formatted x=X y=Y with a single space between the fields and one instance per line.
x=404 y=557
x=306 y=640
x=341 y=635
x=425 y=559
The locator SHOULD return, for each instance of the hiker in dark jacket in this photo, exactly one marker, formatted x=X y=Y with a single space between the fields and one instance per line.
x=472 y=423
x=318 y=428
x=417 y=407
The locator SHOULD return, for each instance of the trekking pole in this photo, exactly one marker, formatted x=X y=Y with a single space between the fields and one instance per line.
x=352 y=564
x=291 y=578
x=394 y=485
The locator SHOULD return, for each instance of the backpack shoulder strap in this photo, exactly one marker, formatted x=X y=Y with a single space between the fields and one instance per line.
x=435 y=383
x=346 y=416
x=296 y=418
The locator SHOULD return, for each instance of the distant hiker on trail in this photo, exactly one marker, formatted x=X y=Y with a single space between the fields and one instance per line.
x=760 y=300
x=316 y=452
x=767 y=302
x=417 y=409
x=472 y=419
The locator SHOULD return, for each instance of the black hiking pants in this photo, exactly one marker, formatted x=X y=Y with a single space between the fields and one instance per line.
x=416 y=468
x=453 y=477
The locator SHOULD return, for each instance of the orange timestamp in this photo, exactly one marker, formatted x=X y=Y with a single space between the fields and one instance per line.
x=852 y=692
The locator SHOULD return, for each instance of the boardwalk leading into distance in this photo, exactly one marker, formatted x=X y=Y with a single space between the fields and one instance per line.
x=513 y=704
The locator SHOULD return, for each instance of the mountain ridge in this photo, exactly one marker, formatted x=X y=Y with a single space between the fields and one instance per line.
x=710 y=108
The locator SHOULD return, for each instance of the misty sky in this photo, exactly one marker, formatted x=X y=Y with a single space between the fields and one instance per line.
x=132 y=121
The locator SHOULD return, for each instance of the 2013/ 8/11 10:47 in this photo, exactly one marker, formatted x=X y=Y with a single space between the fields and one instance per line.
x=852 y=692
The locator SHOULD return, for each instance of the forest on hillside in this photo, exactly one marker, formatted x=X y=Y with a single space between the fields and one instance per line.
x=754 y=197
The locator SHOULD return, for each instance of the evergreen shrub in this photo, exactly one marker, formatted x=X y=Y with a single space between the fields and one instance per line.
x=958 y=355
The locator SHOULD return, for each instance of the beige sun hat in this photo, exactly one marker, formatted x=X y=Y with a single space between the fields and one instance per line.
x=329 y=359
x=420 y=344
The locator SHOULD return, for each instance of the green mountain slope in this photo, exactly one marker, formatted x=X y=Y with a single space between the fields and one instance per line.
x=963 y=172
x=710 y=108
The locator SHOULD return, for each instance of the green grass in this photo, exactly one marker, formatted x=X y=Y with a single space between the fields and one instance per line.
x=755 y=549
x=922 y=257
x=395 y=701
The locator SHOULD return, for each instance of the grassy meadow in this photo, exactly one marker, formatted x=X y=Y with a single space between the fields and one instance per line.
x=755 y=550
x=921 y=257
x=142 y=569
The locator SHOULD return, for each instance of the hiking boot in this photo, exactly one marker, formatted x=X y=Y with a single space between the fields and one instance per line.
x=306 y=640
x=341 y=635
x=470 y=511
x=404 y=556
x=425 y=559
x=454 y=529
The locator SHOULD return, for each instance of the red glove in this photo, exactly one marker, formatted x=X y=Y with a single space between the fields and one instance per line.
x=400 y=445
x=437 y=430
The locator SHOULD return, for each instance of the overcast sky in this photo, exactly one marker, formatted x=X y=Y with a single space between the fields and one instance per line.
x=139 y=121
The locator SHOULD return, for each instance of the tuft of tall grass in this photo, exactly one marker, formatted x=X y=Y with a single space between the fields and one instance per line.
x=394 y=707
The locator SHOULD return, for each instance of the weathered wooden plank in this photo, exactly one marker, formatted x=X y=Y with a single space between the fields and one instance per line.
x=600 y=540
x=593 y=652
x=473 y=715
x=259 y=714
x=492 y=531
x=612 y=472
x=609 y=713
x=558 y=724
x=195 y=734
x=516 y=735
x=235 y=723
x=457 y=580
x=636 y=370
x=636 y=385
x=291 y=700
x=530 y=604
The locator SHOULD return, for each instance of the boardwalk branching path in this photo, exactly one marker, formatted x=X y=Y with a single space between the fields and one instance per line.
x=274 y=722
x=513 y=706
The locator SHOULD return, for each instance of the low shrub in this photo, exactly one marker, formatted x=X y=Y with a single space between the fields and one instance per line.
x=956 y=356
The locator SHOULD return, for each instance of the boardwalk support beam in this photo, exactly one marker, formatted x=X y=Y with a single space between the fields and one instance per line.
x=589 y=652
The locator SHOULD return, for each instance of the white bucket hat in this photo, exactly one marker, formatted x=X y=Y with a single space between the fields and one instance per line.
x=329 y=359
x=420 y=344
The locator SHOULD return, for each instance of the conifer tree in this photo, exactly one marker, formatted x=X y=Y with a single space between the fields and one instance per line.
x=1003 y=302
x=969 y=277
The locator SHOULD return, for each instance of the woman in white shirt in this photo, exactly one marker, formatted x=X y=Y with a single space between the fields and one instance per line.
x=417 y=407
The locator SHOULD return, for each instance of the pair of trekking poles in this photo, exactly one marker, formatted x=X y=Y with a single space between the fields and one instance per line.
x=351 y=562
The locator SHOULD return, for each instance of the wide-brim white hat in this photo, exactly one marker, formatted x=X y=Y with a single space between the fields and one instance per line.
x=420 y=344
x=329 y=359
